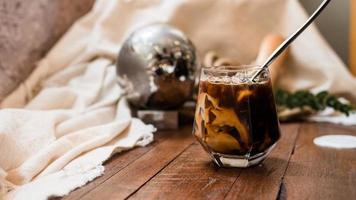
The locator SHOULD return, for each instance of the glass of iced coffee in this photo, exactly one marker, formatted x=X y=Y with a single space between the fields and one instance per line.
x=236 y=120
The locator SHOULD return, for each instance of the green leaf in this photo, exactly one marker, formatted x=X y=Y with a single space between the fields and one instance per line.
x=304 y=98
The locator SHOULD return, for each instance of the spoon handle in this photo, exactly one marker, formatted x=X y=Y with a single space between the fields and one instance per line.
x=291 y=38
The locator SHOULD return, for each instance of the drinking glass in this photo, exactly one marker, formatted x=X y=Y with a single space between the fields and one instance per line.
x=235 y=119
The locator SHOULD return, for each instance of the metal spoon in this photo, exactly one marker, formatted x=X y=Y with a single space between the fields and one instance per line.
x=291 y=38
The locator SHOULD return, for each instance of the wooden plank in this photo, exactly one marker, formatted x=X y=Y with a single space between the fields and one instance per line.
x=264 y=181
x=191 y=176
x=321 y=173
x=117 y=163
x=352 y=51
x=132 y=177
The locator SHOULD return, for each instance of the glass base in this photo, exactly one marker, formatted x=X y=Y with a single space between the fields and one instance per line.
x=224 y=160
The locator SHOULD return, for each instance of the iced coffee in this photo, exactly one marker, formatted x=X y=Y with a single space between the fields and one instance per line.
x=236 y=120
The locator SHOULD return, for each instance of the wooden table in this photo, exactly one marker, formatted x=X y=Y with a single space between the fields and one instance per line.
x=176 y=167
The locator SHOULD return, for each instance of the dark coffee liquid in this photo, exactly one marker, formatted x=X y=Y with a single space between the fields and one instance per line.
x=236 y=119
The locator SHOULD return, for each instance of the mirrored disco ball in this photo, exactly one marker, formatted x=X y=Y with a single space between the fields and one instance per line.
x=156 y=67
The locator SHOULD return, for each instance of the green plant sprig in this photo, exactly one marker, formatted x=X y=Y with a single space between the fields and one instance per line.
x=317 y=101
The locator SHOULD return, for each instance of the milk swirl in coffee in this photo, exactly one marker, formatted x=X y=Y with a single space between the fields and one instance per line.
x=236 y=117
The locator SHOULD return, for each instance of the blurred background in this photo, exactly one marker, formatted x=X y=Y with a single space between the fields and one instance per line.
x=28 y=29
x=334 y=24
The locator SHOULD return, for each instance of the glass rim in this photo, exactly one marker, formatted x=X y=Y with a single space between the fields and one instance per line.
x=231 y=68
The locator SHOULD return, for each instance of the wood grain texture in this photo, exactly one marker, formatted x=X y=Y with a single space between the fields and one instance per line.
x=321 y=173
x=191 y=176
x=132 y=177
x=28 y=29
x=352 y=48
x=264 y=181
x=176 y=167
x=117 y=163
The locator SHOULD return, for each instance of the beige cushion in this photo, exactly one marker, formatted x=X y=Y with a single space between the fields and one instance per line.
x=28 y=29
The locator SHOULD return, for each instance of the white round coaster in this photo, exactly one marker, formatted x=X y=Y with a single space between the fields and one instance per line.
x=336 y=141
